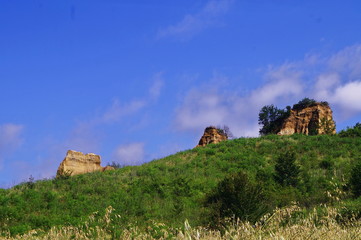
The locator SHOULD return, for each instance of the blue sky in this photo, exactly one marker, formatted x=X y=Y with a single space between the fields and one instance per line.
x=138 y=80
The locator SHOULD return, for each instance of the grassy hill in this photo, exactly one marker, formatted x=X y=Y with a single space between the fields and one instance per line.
x=173 y=189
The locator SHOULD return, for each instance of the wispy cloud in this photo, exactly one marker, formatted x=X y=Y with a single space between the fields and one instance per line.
x=10 y=135
x=10 y=139
x=156 y=88
x=129 y=154
x=85 y=135
x=118 y=110
x=335 y=78
x=192 y=24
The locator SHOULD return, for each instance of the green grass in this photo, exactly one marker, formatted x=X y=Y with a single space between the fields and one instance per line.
x=173 y=189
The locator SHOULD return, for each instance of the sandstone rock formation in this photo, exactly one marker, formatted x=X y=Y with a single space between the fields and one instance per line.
x=211 y=135
x=311 y=120
x=78 y=163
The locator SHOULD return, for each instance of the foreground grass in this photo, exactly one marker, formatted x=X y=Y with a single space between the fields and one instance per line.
x=286 y=223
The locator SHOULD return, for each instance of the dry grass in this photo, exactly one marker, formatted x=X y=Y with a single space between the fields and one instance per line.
x=280 y=225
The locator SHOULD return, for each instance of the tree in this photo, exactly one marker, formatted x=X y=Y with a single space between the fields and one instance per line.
x=271 y=119
x=286 y=169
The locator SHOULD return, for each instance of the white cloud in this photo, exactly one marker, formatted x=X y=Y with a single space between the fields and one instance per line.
x=326 y=81
x=282 y=82
x=192 y=24
x=201 y=109
x=349 y=96
x=338 y=80
x=129 y=154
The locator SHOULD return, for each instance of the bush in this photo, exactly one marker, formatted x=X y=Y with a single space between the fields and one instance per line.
x=225 y=131
x=351 y=132
x=115 y=165
x=287 y=171
x=19 y=229
x=326 y=164
x=355 y=180
x=235 y=196
x=349 y=209
x=306 y=102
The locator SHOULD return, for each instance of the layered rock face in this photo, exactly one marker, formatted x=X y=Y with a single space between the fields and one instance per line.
x=312 y=120
x=211 y=135
x=78 y=163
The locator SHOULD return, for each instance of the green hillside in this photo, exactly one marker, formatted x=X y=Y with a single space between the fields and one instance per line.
x=173 y=189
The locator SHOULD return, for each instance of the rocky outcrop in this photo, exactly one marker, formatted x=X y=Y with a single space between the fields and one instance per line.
x=211 y=135
x=311 y=120
x=79 y=163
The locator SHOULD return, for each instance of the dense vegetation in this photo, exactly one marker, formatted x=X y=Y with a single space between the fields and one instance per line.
x=188 y=185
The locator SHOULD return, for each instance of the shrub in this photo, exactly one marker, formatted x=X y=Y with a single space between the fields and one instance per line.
x=225 y=131
x=235 y=196
x=115 y=165
x=19 y=229
x=355 y=180
x=287 y=171
x=30 y=184
x=326 y=164
x=306 y=102
x=351 y=132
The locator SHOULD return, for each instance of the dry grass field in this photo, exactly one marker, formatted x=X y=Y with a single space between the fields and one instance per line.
x=281 y=224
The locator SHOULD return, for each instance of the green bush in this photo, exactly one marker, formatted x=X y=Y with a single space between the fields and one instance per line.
x=286 y=169
x=306 y=102
x=351 y=132
x=235 y=197
x=350 y=209
x=355 y=180
x=19 y=229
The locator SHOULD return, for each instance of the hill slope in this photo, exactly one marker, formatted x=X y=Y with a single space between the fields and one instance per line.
x=173 y=189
